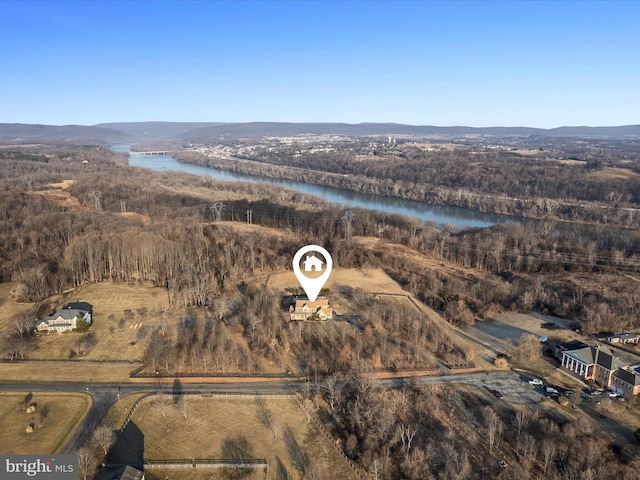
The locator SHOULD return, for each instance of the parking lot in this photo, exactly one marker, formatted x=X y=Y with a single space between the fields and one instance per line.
x=513 y=386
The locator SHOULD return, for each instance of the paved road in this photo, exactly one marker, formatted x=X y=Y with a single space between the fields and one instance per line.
x=511 y=384
x=104 y=395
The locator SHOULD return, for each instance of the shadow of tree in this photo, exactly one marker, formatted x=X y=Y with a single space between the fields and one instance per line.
x=281 y=470
x=237 y=449
x=298 y=458
x=129 y=448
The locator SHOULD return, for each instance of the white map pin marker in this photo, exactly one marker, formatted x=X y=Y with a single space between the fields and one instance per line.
x=312 y=286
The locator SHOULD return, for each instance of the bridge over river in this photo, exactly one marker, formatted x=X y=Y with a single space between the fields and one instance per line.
x=158 y=153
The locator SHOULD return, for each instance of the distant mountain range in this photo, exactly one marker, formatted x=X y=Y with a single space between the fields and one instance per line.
x=204 y=132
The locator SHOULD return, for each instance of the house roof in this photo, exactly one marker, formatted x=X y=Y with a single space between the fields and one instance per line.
x=628 y=376
x=595 y=354
x=127 y=473
x=572 y=345
x=83 y=306
x=585 y=355
x=66 y=314
x=605 y=358
x=319 y=303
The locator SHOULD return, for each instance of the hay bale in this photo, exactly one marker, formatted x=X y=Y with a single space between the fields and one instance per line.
x=31 y=409
x=29 y=428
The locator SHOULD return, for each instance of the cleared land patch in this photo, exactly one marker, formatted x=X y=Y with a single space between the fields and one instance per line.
x=9 y=308
x=56 y=417
x=224 y=428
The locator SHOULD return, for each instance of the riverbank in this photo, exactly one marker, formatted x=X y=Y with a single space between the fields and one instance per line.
x=500 y=208
x=232 y=170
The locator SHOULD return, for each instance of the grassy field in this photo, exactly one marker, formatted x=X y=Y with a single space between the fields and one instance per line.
x=58 y=414
x=114 y=340
x=9 y=307
x=119 y=410
x=224 y=428
x=341 y=282
x=56 y=371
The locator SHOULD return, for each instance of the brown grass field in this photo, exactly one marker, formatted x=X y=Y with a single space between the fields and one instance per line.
x=113 y=342
x=214 y=427
x=64 y=412
x=57 y=371
x=374 y=280
x=9 y=307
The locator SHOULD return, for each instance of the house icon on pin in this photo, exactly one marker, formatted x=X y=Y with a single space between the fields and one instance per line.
x=312 y=264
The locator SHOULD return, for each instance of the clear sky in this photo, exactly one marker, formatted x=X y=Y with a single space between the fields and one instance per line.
x=511 y=63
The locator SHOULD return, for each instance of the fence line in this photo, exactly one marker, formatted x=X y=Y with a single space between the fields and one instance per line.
x=221 y=395
x=330 y=438
x=137 y=373
x=184 y=463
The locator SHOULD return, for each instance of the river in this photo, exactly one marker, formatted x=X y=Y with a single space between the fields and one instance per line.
x=459 y=217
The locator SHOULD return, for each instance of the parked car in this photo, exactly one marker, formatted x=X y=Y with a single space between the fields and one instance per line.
x=551 y=391
x=614 y=395
x=536 y=381
x=497 y=394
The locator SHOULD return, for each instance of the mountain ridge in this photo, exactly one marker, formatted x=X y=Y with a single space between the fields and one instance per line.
x=202 y=132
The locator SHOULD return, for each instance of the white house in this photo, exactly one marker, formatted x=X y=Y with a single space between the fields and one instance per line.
x=66 y=319
x=305 y=308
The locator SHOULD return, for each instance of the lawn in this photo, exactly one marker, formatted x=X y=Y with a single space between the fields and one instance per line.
x=9 y=308
x=116 y=337
x=56 y=418
x=273 y=429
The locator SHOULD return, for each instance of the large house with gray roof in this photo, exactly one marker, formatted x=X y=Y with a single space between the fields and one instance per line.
x=66 y=319
x=598 y=363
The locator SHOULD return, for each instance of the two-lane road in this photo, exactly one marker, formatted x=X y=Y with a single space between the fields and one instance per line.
x=105 y=394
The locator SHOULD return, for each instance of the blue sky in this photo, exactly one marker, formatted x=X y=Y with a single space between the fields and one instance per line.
x=539 y=64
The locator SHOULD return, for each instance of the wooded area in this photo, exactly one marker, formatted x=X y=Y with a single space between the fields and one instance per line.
x=589 y=181
x=111 y=222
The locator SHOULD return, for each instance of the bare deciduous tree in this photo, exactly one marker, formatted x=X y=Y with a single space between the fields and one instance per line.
x=494 y=426
x=103 y=437
x=548 y=451
x=87 y=462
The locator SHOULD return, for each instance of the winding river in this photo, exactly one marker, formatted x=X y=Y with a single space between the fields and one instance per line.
x=459 y=217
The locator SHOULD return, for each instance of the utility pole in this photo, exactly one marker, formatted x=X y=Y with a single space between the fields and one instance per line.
x=249 y=216
x=96 y=199
x=348 y=219
x=217 y=209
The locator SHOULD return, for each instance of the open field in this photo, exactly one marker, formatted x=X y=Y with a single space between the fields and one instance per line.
x=65 y=371
x=119 y=410
x=229 y=428
x=58 y=414
x=115 y=339
x=207 y=474
x=614 y=173
x=61 y=195
x=373 y=280
x=9 y=307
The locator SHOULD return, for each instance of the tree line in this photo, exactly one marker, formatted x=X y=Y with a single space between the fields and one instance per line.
x=470 y=177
